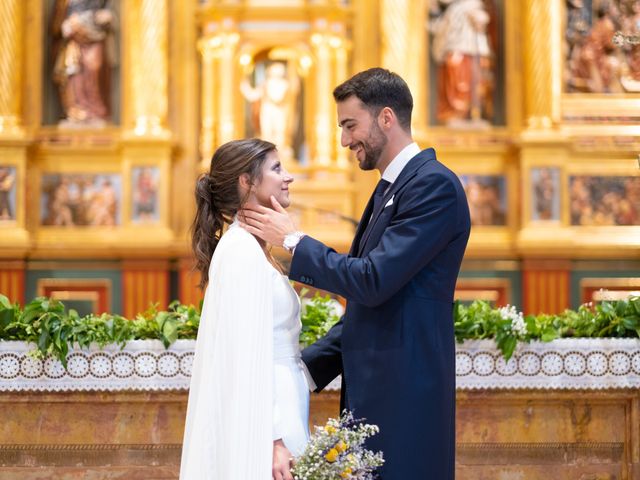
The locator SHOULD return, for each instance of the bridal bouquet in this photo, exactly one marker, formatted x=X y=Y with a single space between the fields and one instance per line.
x=336 y=452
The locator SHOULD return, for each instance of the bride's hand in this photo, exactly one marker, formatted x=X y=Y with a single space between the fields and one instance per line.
x=281 y=469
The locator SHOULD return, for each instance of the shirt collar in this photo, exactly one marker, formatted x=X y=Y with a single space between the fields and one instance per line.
x=396 y=166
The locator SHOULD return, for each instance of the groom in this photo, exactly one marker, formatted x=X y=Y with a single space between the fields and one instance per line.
x=394 y=345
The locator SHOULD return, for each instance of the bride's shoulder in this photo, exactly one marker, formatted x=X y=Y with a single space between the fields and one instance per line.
x=237 y=242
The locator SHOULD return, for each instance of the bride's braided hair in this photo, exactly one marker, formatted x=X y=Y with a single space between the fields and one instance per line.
x=218 y=195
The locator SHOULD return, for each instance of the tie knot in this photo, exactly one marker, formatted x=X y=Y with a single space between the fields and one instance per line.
x=381 y=187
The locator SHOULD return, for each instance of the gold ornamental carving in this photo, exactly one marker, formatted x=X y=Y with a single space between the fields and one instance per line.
x=218 y=52
x=11 y=59
x=542 y=61
x=149 y=66
x=403 y=40
x=395 y=19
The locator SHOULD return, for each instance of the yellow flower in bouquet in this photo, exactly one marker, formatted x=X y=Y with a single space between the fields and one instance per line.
x=331 y=455
x=336 y=452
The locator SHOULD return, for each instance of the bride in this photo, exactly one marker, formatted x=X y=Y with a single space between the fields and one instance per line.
x=248 y=401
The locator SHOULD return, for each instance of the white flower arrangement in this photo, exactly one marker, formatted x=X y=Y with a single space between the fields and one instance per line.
x=336 y=452
x=518 y=325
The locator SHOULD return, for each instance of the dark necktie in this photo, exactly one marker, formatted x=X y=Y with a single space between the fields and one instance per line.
x=378 y=194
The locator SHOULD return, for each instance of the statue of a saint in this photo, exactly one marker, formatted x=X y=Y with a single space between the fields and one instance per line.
x=274 y=100
x=461 y=48
x=84 y=54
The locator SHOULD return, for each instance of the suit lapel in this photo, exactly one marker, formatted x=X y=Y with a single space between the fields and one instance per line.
x=408 y=172
x=362 y=225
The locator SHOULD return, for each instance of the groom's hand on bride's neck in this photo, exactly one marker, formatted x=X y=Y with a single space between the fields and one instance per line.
x=271 y=225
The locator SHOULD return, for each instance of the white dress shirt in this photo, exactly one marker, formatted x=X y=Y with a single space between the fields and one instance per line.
x=396 y=166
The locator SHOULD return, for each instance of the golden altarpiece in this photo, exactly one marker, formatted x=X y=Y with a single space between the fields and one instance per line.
x=547 y=151
x=537 y=138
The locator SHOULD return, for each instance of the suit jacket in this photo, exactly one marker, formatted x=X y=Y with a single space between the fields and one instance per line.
x=395 y=343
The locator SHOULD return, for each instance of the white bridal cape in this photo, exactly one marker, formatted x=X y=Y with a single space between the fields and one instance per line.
x=247 y=385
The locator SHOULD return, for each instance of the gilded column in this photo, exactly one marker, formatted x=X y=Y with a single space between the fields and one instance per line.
x=542 y=31
x=11 y=58
x=403 y=43
x=149 y=59
x=323 y=71
x=342 y=154
x=208 y=102
x=394 y=16
x=227 y=86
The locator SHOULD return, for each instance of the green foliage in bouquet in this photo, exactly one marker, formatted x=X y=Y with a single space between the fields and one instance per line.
x=47 y=324
x=507 y=326
x=336 y=452
x=318 y=316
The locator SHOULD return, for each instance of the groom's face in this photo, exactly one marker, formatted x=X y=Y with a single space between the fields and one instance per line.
x=361 y=132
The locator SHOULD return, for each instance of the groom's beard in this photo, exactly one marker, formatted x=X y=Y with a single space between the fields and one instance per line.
x=373 y=147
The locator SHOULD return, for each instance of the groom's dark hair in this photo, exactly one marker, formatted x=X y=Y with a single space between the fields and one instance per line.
x=377 y=88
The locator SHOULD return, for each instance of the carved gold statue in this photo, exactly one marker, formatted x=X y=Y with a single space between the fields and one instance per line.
x=83 y=54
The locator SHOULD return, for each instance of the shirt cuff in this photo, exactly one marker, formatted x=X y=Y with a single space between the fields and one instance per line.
x=307 y=375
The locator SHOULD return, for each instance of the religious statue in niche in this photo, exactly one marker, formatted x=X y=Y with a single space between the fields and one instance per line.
x=463 y=46
x=594 y=64
x=84 y=53
x=273 y=98
x=7 y=192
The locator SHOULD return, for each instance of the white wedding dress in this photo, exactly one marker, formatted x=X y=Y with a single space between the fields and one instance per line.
x=247 y=383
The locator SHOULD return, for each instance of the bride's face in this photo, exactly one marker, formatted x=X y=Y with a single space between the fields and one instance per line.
x=275 y=181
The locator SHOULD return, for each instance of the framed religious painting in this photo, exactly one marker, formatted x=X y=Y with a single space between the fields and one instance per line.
x=542 y=195
x=487 y=197
x=490 y=181
x=13 y=192
x=80 y=199
x=145 y=195
x=600 y=71
x=597 y=200
x=584 y=203
x=544 y=191
x=8 y=197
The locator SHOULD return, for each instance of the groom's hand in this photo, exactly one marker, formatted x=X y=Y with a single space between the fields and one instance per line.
x=271 y=225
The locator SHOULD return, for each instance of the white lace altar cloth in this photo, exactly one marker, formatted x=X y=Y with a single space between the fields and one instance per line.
x=563 y=364
x=145 y=365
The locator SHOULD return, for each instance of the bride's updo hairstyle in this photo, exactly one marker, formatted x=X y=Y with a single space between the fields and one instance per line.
x=218 y=195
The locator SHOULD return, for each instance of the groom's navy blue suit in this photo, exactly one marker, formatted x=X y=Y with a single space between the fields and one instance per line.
x=395 y=344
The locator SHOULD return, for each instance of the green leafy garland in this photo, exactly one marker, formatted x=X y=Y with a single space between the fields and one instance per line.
x=479 y=320
x=45 y=323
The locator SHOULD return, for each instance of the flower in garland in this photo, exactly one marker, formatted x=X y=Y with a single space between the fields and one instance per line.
x=336 y=452
x=518 y=325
